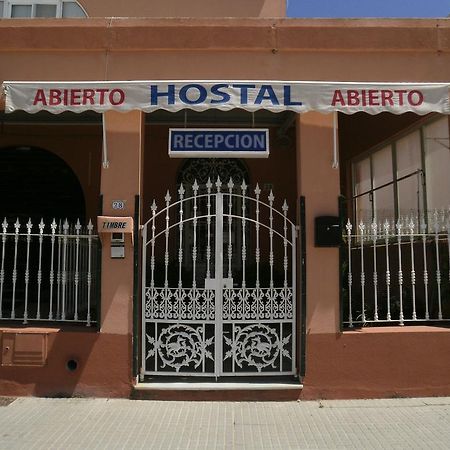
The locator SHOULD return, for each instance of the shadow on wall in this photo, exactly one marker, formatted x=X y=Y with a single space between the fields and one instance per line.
x=57 y=363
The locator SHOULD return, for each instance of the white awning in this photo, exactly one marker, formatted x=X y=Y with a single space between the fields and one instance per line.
x=298 y=96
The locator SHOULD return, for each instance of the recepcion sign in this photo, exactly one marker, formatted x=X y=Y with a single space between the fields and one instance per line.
x=218 y=142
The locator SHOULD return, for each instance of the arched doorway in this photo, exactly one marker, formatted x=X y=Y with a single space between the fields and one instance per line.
x=36 y=184
x=46 y=258
x=210 y=307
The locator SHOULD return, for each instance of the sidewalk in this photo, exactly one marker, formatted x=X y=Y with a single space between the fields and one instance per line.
x=36 y=423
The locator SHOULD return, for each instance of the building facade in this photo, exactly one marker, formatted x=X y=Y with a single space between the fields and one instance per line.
x=125 y=269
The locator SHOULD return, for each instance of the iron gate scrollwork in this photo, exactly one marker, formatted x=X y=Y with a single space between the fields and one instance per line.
x=223 y=304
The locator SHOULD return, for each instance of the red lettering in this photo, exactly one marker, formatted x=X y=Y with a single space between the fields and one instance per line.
x=363 y=96
x=373 y=98
x=102 y=92
x=386 y=98
x=75 y=97
x=400 y=93
x=419 y=100
x=121 y=97
x=40 y=97
x=65 y=96
x=352 y=98
x=338 y=97
x=88 y=94
x=54 y=97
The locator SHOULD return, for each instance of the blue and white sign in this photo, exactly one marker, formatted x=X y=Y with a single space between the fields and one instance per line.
x=218 y=142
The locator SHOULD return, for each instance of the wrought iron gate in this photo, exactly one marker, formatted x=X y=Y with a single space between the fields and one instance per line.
x=218 y=284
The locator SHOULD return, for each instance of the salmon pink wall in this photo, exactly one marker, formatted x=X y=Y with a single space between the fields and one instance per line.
x=181 y=8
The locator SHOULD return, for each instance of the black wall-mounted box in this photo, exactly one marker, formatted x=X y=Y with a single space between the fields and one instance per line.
x=327 y=231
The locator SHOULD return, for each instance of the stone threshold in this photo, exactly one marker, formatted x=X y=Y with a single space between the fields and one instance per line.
x=217 y=386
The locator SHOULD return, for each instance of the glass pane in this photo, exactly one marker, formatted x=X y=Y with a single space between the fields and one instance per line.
x=437 y=164
x=72 y=9
x=361 y=173
x=382 y=166
x=384 y=203
x=1 y=8
x=410 y=197
x=21 y=11
x=45 y=10
x=363 y=209
x=408 y=154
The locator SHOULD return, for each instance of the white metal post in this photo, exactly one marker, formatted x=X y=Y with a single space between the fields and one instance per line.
x=219 y=285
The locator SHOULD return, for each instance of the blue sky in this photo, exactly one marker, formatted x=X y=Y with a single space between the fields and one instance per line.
x=368 y=8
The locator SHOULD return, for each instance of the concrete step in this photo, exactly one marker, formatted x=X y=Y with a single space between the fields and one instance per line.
x=251 y=390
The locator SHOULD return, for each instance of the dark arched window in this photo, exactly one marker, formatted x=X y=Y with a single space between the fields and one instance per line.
x=35 y=184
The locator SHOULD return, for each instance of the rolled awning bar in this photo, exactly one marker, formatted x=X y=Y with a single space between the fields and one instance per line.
x=276 y=96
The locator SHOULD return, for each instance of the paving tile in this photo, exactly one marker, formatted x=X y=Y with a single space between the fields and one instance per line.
x=35 y=423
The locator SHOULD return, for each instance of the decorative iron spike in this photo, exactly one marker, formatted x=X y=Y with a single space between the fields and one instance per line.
x=411 y=226
x=362 y=227
x=423 y=224
x=218 y=184
x=349 y=227
x=374 y=228
x=433 y=222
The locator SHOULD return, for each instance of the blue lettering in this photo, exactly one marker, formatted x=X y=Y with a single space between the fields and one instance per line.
x=218 y=140
x=244 y=91
x=188 y=141
x=216 y=90
x=287 y=97
x=201 y=91
x=199 y=141
x=177 y=141
x=170 y=94
x=228 y=140
x=266 y=93
x=260 y=141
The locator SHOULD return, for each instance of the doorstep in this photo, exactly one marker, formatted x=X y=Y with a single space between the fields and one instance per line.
x=251 y=390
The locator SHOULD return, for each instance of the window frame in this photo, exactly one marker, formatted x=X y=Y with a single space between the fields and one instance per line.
x=420 y=172
x=8 y=4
